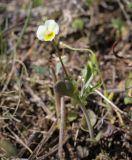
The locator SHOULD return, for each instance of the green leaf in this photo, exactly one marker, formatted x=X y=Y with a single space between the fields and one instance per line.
x=117 y=23
x=3 y=43
x=128 y=82
x=90 y=2
x=91 y=67
x=93 y=119
x=8 y=148
x=40 y=70
x=87 y=73
x=94 y=63
x=128 y=100
x=72 y=116
x=128 y=86
x=129 y=5
x=37 y=3
x=93 y=58
x=110 y=96
x=78 y=24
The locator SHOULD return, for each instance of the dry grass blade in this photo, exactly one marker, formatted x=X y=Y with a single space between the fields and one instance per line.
x=42 y=142
x=19 y=140
x=13 y=69
x=53 y=150
x=36 y=99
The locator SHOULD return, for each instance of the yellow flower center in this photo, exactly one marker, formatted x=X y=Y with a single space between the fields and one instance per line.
x=49 y=36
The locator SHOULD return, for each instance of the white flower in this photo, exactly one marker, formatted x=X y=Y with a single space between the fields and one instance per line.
x=47 y=31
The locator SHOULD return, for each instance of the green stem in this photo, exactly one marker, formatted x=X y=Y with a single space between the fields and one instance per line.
x=75 y=49
x=85 y=112
x=25 y=25
x=64 y=69
x=61 y=61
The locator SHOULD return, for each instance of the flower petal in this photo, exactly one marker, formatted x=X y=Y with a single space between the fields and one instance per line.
x=52 y=26
x=49 y=37
x=41 y=32
x=56 y=28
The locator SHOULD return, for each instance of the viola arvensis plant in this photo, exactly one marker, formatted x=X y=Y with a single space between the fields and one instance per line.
x=48 y=30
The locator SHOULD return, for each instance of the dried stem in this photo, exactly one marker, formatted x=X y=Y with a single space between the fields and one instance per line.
x=62 y=126
x=57 y=97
